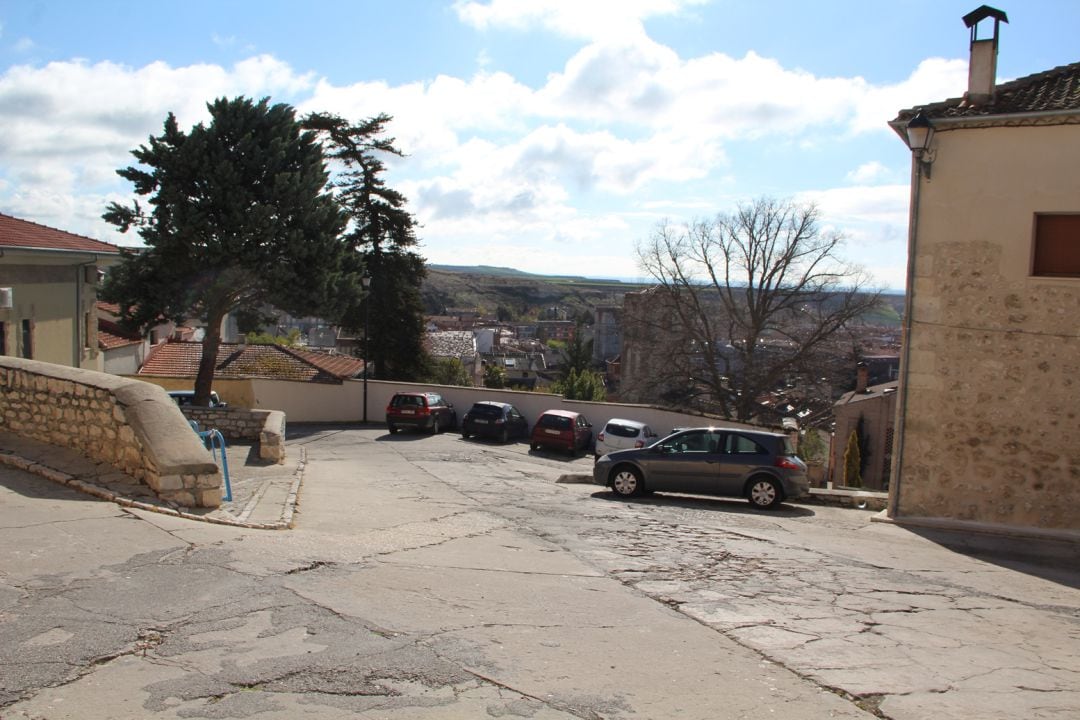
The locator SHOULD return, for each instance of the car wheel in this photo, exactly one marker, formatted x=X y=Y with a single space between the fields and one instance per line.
x=464 y=433
x=764 y=493
x=626 y=482
x=504 y=436
x=535 y=446
x=435 y=427
x=391 y=428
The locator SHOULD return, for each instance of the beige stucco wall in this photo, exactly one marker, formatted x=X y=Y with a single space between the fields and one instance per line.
x=56 y=299
x=878 y=413
x=992 y=426
x=313 y=402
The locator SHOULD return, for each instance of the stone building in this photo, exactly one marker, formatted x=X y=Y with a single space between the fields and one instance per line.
x=606 y=333
x=988 y=425
x=875 y=407
x=644 y=367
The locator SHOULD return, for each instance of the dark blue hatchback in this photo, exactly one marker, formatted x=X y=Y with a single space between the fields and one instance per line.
x=498 y=420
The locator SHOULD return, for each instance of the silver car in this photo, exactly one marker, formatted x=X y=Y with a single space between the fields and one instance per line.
x=760 y=466
x=619 y=434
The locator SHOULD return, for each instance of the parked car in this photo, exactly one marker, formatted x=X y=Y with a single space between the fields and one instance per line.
x=621 y=434
x=498 y=420
x=420 y=411
x=561 y=430
x=760 y=466
x=187 y=397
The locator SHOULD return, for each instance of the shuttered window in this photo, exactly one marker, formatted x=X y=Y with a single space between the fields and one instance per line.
x=1057 y=246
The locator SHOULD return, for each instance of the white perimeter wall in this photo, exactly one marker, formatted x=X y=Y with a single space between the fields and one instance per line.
x=312 y=402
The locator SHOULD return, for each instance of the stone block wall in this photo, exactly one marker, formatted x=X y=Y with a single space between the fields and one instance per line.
x=127 y=424
x=267 y=427
x=989 y=436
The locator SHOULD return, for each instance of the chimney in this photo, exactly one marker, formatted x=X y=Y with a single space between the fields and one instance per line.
x=982 y=68
x=862 y=375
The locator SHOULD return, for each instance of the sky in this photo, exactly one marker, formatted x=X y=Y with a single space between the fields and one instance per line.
x=550 y=136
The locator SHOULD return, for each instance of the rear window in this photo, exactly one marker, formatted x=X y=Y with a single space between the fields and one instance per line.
x=407 y=401
x=485 y=411
x=620 y=430
x=557 y=422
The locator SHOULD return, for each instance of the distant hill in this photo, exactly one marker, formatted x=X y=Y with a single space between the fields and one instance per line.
x=524 y=295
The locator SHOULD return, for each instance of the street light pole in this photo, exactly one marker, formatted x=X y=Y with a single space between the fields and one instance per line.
x=366 y=282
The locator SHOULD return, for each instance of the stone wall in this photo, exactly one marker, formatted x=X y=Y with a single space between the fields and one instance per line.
x=266 y=427
x=130 y=425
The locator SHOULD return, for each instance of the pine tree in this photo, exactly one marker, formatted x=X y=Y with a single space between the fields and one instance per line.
x=239 y=217
x=383 y=235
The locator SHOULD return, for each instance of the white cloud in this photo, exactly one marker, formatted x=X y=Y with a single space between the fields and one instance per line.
x=23 y=45
x=869 y=172
x=589 y=19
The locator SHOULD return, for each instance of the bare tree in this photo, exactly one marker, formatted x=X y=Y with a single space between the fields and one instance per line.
x=745 y=301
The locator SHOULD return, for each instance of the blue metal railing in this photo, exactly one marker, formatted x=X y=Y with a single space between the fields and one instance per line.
x=214 y=440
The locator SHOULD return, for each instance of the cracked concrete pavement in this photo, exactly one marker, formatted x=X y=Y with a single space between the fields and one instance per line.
x=429 y=577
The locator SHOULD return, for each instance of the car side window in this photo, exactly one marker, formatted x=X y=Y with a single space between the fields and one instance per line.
x=742 y=445
x=691 y=442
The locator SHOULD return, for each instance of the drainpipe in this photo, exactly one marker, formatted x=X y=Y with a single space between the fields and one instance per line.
x=895 y=481
x=76 y=351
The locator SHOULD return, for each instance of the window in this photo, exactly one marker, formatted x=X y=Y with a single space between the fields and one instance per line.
x=742 y=445
x=1057 y=246
x=27 y=340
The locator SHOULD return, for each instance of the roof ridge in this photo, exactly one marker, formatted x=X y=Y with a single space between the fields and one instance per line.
x=58 y=230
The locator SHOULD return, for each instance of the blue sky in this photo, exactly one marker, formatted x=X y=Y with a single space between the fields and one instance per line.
x=546 y=135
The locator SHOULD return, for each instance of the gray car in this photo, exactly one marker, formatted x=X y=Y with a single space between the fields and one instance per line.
x=760 y=466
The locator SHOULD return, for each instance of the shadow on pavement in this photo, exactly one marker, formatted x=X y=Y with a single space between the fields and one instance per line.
x=728 y=505
x=1055 y=560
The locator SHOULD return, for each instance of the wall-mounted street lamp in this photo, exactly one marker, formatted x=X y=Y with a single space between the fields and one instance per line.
x=920 y=132
x=366 y=282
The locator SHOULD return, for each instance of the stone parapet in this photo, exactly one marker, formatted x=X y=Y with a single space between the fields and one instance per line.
x=130 y=425
x=267 y=427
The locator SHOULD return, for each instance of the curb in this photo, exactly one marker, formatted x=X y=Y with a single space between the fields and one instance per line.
x=284 y=523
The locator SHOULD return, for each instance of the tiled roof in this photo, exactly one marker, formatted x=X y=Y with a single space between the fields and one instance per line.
x=111 y=336
x=181 y=359
x=1056 y=90
x=451 y=343
x=342 y=366
x=23 y=233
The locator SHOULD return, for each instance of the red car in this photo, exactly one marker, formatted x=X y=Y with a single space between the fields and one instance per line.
x=562 y=430
x=426 y=411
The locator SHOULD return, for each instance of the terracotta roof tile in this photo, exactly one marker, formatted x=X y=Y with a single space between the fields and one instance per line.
x=23 y=233
x=181 y=359
x=111 y=336
x=342 y=366
x=1056 y=90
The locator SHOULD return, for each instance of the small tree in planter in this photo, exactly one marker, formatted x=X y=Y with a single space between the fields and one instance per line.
x=852 y=461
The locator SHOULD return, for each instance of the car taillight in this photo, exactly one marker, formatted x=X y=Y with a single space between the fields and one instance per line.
x=600 y=437
x=639 y=444
x=424 y=411
x=500 y=421
x=787 y=464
